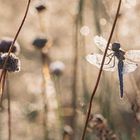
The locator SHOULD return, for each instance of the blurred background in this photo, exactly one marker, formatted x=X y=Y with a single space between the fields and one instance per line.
x=51 y=93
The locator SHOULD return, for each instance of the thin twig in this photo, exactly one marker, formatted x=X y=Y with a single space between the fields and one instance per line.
x=100 y=71
x=76 y=65
x=1 y=76
x=9 y=111
x=15 y=38
x=2 y=87
x=44 y=98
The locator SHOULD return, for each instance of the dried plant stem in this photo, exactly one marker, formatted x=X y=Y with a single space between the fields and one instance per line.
x=82 y=40
x=57 y=84
x=9 y=117
x=100 y=71
x=96 y=4
x=44 y=116
x=44 y=99
x=1 y=76
x=74 y=85
x=9 y=111
x=3 y=85
x=75 y=64
x=15 y=38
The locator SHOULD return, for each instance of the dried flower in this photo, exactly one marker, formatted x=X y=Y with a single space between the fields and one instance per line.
x=13 y=63
x=39 y=42
x=5 y=44
x=68 y=129
x=99 y=124
x=84 y=30
x=40 y=7
x=33 y=115
x=57 y=68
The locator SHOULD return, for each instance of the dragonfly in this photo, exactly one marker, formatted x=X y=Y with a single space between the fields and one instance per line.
x=116 y=59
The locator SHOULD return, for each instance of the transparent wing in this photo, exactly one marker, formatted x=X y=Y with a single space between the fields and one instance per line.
x=129 y=66
x=101 y=43
x=96 y=59
x=133 y=55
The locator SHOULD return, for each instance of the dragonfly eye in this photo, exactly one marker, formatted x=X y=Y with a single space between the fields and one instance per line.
x=115 y=46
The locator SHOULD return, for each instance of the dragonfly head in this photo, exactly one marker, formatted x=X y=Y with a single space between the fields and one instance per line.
x=115 y=46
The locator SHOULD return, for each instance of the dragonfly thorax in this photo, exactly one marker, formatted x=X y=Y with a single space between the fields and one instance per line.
x=115 y=46
x=117 y=52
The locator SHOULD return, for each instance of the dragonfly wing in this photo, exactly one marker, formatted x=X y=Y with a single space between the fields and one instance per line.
x=129 y=66
x=133 y=55
x=101 y=43
x=96 y=59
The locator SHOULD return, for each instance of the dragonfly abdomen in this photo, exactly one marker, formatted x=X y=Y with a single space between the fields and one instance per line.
x=120 y=74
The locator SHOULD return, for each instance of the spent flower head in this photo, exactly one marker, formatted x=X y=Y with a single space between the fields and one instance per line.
x=13 y=62
x=68 y=129
x=40 y=42
x=5 y=44
x=40 y=7
x=84 y=30
x=99 y=125
x=57 y=68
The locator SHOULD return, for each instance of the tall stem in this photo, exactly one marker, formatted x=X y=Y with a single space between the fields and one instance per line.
x=9 y=111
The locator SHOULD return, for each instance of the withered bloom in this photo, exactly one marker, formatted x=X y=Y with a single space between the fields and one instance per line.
x=39 y=42
x=40 y=7
x=13 y=62
x=5 y=44
x=57 y=68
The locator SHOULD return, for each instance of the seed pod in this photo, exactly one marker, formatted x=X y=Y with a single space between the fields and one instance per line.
x=39 y=42
x=5 y=44
x=57 y=68
x=68 y=130
x=13 y=62
x=40 y=8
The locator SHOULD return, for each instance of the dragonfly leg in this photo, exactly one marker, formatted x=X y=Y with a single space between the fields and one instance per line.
x=109 y=49
x=109 y=54
x=113 y=62
x=110 y=58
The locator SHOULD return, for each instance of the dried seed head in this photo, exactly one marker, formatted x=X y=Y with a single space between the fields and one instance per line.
x=98 y=121
x=57 y=68
x=99 y=125
x=5 y=44
x=68 y=129
x=13 y=63
x=40 y=8
x=39 y=43
x=135 y=107
x=84 y=30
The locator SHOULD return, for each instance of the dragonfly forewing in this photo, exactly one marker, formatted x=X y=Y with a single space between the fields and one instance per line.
x=133 y=55
x=96 y=59
x=101 y=43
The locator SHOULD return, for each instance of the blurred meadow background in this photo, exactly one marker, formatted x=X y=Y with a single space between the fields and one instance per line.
x=50 y=95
